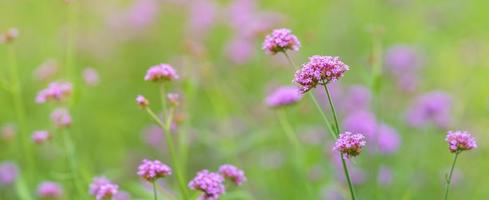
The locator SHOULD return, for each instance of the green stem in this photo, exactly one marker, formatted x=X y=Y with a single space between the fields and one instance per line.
x=154 y=190
x=449 y=178
x=72 y=162
x=337 y=128
x=289 y=132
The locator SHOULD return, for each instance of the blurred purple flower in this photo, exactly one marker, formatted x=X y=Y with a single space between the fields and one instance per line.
x=46 y=70
x=8 y=173
x=121 y=195
x=61 y=117
x=201 y=17
x=388 y=140
x=8 y=131
x=361 y=122
x=283 y=96
x=142 y=101
x=9 y=36
x=384 y=176
x=40 y=137
x=102 y=188
x=240 y=50
x=433 y=107
x=357 y=97
x=90 y=76
x=142 y=13
x=49 y=190
x=161 y=72
x=236 y=175
x=402 y=58
x=56 y=91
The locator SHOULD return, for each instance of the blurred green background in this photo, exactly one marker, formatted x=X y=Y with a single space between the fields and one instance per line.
x=225 y=117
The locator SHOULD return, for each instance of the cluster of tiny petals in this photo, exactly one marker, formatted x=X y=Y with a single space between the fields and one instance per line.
x=61 y=117
x=283 y=96
x=103 y=188
x=40 y=137
x=319 y=70
x=280 y=40
x=49 y=190
x=350 y=144
x=161 y=72
x=56 y=91
x=142 y=101
x=233 y=173
x=460 y=141
x=210 y=183
x=152 y=170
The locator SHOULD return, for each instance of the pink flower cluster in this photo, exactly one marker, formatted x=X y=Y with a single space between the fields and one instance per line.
x=9 y=36
x=40 y=137
x=236 y=175
x=280 y=40
x=102 y=188
x=49 y=190
x=460 y=141
x=142 y=101
x=283 y=96
x=56 y=91
x=61 y=117
x=350 y=144
x=319 y=70
x=152 y=170
x=210 y=183
x=161 y=72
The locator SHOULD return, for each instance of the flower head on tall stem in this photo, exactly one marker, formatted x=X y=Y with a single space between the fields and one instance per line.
x=350 y=144
x=142 y=101
x=460 y=141
x=49 y=190
x=39 y=137
x=161 y=72
x=102 y=188
x=319 y=70
x=210 y=183
x=283 y=96
x=280 y=40
x=56 y=91
x=236 y=175
x=152 y=170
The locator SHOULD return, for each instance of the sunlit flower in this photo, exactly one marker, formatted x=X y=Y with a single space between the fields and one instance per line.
x=350 y=144
x=40 y=137
x=56 y=91
x=283 y=96
x=152 y=170
x=281 y=40
x=210 y=183
x=160 y=72
x=319 y=70
x=460 y=141
x=49 y=190
x=233 y=173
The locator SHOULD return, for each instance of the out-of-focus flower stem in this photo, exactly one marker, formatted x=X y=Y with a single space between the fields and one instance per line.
x=154 y=190
x=449 y=178
x=337 y=128
x=72 y=162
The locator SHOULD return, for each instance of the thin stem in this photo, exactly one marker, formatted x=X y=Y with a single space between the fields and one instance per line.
x=291 y=62
x=154 y=190
x=449 y=178
x=289 y=132
x=72 y=163
x=337 y=127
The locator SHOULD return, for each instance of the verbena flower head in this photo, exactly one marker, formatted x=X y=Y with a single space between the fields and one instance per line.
x=56 y=91
x=102 y=188
x=460 y=141
x=433 y=107
x=161 y=72
x=361 y=122
x=173 y=99
x=350 y=144
x=40 y=137
x=319 y=70
x=384 y=176
x=61 y=117
x=49 y=190
x=90 y=76
x=387 y=139
x=402 y=58
x=280 y=40
x=210 y=183
x=142 y=101
x=152 y=170
x=46 y=70
x=233 y=173
x=283 y=96
x=8 y=173
x=9 y=36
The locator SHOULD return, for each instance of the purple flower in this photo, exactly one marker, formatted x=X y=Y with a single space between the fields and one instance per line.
x=201 y=18
x=61 y=117
x=8 y=132
x=280 y=40
x=459 y=141
x=361 y=122
x=173 y=99
x=233 y=173
x=283 y=96
x=152 y=170
x=49 y=190
x=40 y=137
x=210 y=183
x=56 y=91
x=120 y=195
x=384 y=176
x=8 y=173
x=46 y=70
x=358 y=97
x=9 y=36
x=160 y=72
x=350 y=144
x=433 y=107
x=319 y=70
x=142 y=13
x=102 y=188
x=239 y=50
x=90 y=76
x=402 y=58
x=388 y=140
x=142 y=101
